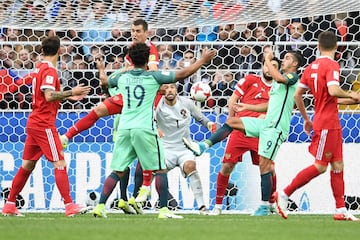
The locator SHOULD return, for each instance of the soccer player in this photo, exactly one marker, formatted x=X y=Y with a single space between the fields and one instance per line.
x=42 y=136
x=137 y=134
x=252 y=89
x=322 y=78
x=113 y=105
x=272 y=131
x=173 y=116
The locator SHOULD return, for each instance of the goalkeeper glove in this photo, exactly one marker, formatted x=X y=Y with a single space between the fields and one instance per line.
x=212 y=127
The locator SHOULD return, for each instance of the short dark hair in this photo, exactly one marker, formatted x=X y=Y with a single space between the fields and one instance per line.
x=50 y=45
x=327 y=40
x=139 y=54
x=141 y=22
x=297 y=57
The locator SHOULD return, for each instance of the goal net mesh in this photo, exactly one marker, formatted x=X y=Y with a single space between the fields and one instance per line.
x=240 y=31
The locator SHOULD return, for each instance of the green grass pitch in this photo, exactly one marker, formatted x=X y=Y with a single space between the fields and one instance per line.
x=51 y=226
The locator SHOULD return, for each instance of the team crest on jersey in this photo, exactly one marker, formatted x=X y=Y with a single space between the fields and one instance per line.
x=227 y=156
x=183 y=112
x=289 y=76
x=328 y=155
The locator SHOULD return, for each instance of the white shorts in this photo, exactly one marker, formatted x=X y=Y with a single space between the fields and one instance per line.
x=176 y=156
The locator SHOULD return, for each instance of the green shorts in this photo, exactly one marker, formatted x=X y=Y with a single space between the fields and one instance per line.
x=143 y=144
x=270 y=138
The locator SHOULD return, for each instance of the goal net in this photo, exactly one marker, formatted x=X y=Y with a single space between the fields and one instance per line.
x=240 y=31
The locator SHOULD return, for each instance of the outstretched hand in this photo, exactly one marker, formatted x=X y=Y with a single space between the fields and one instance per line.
x=208 y=54
x=80 y=90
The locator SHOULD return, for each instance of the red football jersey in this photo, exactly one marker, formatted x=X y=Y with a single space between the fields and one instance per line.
x=44 y=113
x=153 y=57
x=320 y=74
x=252 y=89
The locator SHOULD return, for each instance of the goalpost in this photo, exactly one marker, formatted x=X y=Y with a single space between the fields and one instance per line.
x=24 y=23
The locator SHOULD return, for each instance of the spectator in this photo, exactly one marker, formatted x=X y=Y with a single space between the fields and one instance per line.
x=222 y=86
x=113 y=49
x=8 y=57
x=184 y=86
x=36 y=13
x=99 y=19
x=223 y=56
x=206 y=32
x=246 y=60
x=24 y=60
x=77 y=67
x=168 y=59
x=116 y=62
x=297 y=30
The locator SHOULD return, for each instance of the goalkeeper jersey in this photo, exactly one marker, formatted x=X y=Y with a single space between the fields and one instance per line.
x=174 y=121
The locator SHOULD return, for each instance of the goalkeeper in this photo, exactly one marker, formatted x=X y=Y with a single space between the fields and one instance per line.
x=173 y=116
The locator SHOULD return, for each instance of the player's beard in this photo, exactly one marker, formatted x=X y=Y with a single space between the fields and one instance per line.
x=267 y=77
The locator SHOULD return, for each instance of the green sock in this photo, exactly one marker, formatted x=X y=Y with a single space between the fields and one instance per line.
x=266 y=186
x=220 y=134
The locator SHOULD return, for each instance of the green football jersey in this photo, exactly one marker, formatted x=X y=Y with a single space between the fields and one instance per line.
x=139 y=88
x=281 y=103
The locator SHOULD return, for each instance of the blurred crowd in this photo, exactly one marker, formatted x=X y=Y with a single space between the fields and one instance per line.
x=240 y=48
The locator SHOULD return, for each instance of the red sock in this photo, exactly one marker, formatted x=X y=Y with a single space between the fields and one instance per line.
x=273 y=189
x=83 y=124
x=147 y=178
x=337 y=185
x=302 y=178
x=62 y=183
x=221 y=185
x=18 y=183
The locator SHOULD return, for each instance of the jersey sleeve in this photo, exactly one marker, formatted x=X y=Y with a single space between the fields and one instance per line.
x=49 y=79
x=163 y=77
x=196 y=112
x=112 y=80
x=333 y=75
x=240 y=86
x=305 y=78
x=154 y=55
x=291 y=78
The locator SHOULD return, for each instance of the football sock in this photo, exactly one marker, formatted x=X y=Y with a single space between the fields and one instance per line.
x=83 y=124
x=195 y=184
x=138 y=179
x=221 y=185
x=147 y=177
x=273 y=189
x=124 y=182
x=109 y=185
x=219 y=135
x=266 y=186
x=62 y=183
x=302 y=178
x=18 y=183
x=159 y=184
x=163 y=190
x=337 y=186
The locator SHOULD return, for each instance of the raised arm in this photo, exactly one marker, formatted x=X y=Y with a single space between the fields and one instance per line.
x=274 y=72
x=206 y=56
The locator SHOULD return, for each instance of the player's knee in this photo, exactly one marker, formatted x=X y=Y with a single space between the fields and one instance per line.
x=227 y=168
x=189 y=166
x=101 y=110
